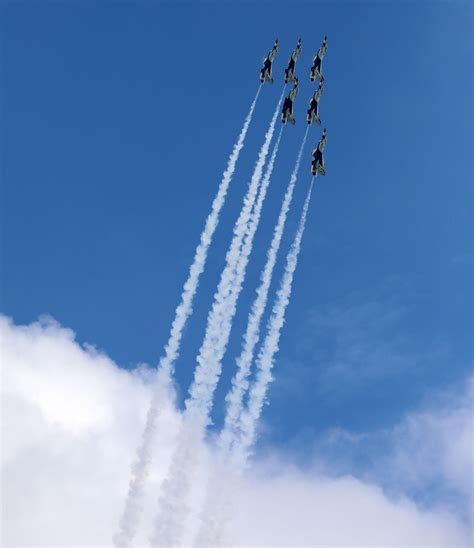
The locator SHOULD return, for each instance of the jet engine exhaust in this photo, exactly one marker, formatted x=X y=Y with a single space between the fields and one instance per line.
x=172 y=504
x=133 y=504
x=265 y=360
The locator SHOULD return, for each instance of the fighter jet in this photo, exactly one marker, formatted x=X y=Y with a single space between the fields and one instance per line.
x=316 y=72
x=313 y=111
x=266 y=71
x=317 y=165
x=290 y=70
x=287 y=111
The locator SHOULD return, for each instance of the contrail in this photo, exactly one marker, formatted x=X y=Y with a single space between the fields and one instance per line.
x=217 y=507
x=220 y=318
x=265 y=360
x=240 y=381
x=172 y=510
x=133 y=504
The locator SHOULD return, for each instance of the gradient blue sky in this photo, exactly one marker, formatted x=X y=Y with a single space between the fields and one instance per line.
x=117 y=121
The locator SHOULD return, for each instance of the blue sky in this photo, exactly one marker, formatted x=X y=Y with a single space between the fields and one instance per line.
x=117 y=123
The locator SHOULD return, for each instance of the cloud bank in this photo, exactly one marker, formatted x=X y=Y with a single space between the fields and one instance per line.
x=72 y=419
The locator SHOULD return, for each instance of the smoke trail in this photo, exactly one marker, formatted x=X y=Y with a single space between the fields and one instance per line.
x=220 y=318
x=217 y=507
x=244 y=361
x=133 y=504
x=172 y=507
x=267 y=353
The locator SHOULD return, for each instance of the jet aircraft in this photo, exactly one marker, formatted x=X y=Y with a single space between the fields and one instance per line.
x=313 y=111
x=316 y=72
x=287 y=111
x=290 y=70
x=317 y=165
x=266 y=71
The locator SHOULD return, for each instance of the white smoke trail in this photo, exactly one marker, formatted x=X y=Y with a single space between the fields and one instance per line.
x=172 y=510
x=220 y=318
x=218 y=507
x=265 y=360
x=129 y=520
x=240 y=381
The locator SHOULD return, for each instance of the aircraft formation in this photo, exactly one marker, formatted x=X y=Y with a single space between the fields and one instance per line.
x=315 y=75
x=252 y=377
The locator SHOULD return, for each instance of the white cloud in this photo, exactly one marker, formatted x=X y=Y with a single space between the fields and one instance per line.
x=437 y=445
x=306 y=509
x=71 y=421
x=428 y=455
